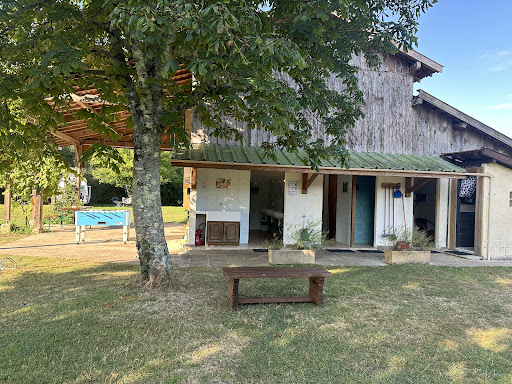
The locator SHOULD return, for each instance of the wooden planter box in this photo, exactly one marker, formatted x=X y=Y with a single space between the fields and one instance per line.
x=407 y=257
x=291 y=256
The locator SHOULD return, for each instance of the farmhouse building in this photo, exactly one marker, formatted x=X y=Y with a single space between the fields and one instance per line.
x=408 y=159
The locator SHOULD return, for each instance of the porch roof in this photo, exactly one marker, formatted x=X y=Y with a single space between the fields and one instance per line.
x=223 y=156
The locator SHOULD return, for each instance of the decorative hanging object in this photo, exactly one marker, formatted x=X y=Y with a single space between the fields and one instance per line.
x=468 y=188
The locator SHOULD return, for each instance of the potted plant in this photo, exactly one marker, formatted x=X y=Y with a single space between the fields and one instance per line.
x=408 y=247
x=302 y=250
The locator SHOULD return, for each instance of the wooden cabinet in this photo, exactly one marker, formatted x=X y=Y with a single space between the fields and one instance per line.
x=223 y=232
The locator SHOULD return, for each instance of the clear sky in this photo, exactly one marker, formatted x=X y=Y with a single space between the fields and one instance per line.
x=472 y=39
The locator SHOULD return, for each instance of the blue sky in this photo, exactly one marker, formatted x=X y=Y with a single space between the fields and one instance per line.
x=472 y=39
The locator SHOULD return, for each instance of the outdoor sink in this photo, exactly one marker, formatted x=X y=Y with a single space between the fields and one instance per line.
x=222 y=216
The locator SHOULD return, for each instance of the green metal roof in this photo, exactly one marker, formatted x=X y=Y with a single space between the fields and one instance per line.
x=358 y=160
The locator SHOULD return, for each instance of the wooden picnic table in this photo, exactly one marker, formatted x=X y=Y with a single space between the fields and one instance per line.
x=316 y=277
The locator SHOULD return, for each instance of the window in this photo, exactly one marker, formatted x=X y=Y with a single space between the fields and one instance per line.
x=510 y=201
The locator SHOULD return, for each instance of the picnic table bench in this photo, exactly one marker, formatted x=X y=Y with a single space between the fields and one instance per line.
x=50 y=217
x=316 y=277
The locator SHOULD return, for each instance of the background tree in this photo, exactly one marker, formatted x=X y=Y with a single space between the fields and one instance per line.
x=262 y=62
x=122 y=175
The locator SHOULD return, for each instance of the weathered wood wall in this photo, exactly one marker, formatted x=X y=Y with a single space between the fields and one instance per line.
x=391 y=123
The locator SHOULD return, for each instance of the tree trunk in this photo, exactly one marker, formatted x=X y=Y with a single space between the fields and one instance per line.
x=154 y=257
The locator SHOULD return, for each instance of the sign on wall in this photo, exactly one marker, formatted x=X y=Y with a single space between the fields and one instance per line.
x=293 y=188
x=223 y=183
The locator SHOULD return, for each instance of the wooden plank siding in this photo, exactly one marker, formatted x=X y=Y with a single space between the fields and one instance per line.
x=391 y=125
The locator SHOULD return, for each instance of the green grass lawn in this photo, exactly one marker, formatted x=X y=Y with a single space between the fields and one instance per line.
x=170 y=214
x=67 y=321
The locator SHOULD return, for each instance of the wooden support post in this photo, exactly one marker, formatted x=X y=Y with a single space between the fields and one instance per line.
x=78 y=167
x=408 y=185
x=37 y=210
x=353 y=211
x=306 y=182
x=411 y=188
x=193 y=179
x=188 y=122
x=452 y=215
x=7 y=202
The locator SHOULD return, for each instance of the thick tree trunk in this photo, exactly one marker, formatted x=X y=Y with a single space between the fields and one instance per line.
x=155 y=260
x=145 y=106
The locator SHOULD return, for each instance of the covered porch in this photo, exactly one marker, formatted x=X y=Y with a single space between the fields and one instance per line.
x=356 y=206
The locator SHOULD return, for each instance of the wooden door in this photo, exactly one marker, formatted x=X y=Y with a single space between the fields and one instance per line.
x=232 y=233
x=215 y=232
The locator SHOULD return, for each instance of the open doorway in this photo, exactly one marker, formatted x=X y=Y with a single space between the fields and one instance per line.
x=266 y=212
x=466 y=208
x=330 y=204
x=424 y=208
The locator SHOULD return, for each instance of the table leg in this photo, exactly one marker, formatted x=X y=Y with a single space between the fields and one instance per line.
x=316 y=290
x=233 y=294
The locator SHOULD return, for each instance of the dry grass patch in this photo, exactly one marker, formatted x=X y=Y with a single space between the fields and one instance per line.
x=69 y=321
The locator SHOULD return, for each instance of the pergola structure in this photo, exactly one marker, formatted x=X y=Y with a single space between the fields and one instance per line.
x=76 y=132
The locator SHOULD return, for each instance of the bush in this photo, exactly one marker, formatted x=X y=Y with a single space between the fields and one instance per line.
x=401 y=239
x=172 y=193
x=307 y=236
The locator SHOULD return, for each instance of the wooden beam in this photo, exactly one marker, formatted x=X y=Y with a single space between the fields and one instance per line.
x=193 y=179
x=507 y=160
x=306 y=182
x=452 y=215
x=460 y=125
x=90 y=109
x=416 y=101
x=411 y=188
x=353 y=211
x=415 y=67
x=66 y=137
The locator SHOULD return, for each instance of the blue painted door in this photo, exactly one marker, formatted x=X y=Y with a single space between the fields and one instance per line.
x=365 y=206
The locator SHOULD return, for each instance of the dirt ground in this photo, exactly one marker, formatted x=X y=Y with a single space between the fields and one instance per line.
x=104 y=244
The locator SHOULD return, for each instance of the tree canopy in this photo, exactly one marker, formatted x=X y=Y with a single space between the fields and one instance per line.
x=122 y=174
x=261 y=62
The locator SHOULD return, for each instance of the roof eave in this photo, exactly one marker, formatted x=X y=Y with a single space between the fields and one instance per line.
x=322 y=170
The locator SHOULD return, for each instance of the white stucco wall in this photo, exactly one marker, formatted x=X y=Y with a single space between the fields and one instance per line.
x=192 y=217
x=296 y=207
x=207 y=197
x=343 y=210
x=442 y=196
x=499 y=223
x=397 y=210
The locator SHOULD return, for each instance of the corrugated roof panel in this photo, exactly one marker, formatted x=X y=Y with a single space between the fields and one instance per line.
x=239 y=154
x=210 y=153
x=254 y=156
x=361 y=160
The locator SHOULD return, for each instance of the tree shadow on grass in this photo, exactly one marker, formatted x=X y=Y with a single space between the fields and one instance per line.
x=68 y=321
